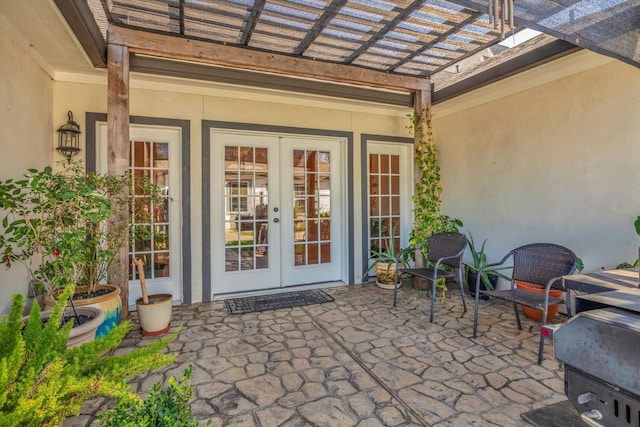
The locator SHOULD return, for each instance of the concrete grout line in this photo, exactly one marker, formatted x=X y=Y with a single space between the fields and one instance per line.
x=360 y=362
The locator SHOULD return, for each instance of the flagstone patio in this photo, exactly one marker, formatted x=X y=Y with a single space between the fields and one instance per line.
x=357 y=361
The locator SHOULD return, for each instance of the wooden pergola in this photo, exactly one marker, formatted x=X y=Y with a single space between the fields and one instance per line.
x=385 y=51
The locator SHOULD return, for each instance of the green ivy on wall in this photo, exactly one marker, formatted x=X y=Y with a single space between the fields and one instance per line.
x=428 y=189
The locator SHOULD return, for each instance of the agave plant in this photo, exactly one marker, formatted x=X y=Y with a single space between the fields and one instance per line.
x=479 y=258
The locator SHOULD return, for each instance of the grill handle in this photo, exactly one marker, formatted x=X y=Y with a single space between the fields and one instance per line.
x=591 y=416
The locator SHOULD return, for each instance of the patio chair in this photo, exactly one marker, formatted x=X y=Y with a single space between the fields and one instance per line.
x=538 y=263
x=443 y=249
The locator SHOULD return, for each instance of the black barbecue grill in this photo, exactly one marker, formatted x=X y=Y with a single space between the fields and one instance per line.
x=600 y=350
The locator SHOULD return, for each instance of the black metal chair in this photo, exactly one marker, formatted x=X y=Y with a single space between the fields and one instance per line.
x=539 y=263
x=443 y=249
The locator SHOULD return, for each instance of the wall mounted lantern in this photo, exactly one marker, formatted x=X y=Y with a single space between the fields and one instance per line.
x=69 y=138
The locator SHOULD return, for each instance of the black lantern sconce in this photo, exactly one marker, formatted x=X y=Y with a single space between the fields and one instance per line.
x=69 y=138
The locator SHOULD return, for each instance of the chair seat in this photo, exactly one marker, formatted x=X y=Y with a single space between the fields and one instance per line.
x=427 y=272
x=519 y=296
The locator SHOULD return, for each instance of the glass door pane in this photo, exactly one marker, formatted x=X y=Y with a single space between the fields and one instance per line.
x=384 y=201
x=246 y=200
x=150 y=231
x=311 y=207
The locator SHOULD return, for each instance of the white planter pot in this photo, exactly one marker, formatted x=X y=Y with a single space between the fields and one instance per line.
x=155 y=317
x=83 y=333
x=87 y=331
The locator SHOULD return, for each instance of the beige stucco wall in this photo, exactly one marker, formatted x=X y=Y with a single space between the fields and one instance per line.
x=547 y=155
x=558 y=161
x=195 y=101
x=26 y=131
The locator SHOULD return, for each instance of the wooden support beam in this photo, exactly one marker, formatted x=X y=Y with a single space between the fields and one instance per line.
x=180 y=48
x=118 y=152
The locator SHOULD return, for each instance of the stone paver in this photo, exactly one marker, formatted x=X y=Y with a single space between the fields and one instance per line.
x=356 y=361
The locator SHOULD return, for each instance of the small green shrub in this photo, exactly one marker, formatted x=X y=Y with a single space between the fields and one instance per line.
x=162 y=408
x=42 y=382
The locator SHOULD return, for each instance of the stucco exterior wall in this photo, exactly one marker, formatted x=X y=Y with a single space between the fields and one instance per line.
x=556 y=162
x=26 y=94
x=195 y=101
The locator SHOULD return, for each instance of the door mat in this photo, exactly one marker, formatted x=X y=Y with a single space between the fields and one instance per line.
x=561 y=414
x=276 y=301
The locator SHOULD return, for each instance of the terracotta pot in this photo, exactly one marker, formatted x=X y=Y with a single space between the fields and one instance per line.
x=110 y=304
x=155 y=317
x=534 y=314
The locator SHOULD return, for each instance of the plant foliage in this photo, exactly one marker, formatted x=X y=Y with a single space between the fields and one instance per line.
x=67 y=226
x=426 y=196
x=42 y=382
x=168 y=407
x=479 y=260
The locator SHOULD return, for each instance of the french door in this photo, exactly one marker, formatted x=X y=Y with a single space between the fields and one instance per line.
x=155 y=153
x=276 y=211
x=389 y=190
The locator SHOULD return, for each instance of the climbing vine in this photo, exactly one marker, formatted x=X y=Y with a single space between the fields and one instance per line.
x=428 y=189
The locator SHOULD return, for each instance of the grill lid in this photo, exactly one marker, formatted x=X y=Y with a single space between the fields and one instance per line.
x=603 y=343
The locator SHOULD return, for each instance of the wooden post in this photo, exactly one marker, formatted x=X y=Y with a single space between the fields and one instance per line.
x=118 y=152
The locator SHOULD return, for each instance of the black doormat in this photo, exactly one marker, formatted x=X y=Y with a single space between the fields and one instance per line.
x=276 y=301
x=561 y=414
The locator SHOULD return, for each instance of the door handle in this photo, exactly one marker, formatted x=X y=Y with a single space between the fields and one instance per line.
x=276 y=219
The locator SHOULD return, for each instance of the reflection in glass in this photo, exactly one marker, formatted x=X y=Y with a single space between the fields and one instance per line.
x=160 y=155
x=141 y=154
x=142 y=237
x=325 y=253
x=161 y=264
x=312 y=201
x=246 y=208
x=312 y=256
x=149 y=239
x=384 y=163
x=146 y=266
x=161 y=237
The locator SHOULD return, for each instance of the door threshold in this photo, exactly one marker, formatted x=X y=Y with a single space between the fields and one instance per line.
x=221 y=297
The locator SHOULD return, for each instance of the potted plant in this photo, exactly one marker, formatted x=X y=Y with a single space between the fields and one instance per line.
x=45 y=226
x=489 y=278
x=154 y=311
x=65 y=227
x=383 y=260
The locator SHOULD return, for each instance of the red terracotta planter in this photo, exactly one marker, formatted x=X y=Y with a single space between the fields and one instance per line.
x=534 y=314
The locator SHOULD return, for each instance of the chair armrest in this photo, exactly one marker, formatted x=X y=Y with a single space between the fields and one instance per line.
x=551 y=282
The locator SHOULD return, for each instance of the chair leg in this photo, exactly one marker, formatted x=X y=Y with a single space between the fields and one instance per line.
x=475 y=313
x=542 y=323
x=464 y=303
x=541 y=348
x=395 y=285
x=433 y=299
x=515 y=309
